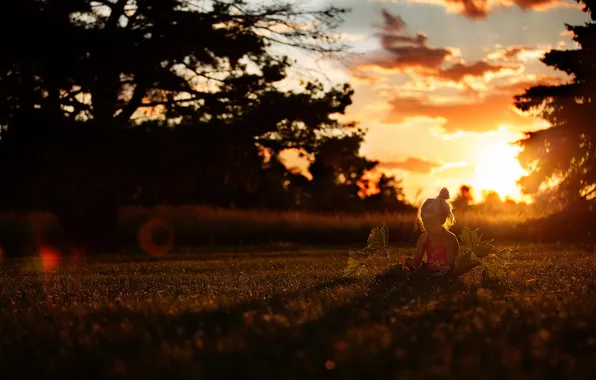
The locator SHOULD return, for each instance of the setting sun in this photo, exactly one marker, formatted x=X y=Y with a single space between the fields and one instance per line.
x=497 y=169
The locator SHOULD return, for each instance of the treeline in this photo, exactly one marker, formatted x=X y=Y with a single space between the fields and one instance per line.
x=189 y=164
x=492 y=203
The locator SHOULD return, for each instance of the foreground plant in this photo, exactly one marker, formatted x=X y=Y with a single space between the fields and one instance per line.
x=472 y=252
x=377 y=247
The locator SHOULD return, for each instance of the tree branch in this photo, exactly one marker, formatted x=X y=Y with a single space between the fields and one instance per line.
x=117 y=12
x=133 y=104
x=155 y=104
x=202 y=74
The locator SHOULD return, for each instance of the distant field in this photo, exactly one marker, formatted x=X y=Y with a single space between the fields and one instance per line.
x=210 y=228
x=290 y=315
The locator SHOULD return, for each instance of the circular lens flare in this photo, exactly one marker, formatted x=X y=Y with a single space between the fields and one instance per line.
x=50 y=259
x=156 y=237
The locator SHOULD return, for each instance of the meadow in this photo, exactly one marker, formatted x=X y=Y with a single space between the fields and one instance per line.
x=200 y=292
x=193 y=228
x=289 y=314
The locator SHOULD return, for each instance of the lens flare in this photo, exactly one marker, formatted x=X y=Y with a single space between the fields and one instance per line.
x=50 y=259
x=156 y=237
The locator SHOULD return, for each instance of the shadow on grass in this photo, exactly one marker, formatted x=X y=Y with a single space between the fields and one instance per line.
x=360 y=338
x=143 y=346
x=266 y=349
x=304 y=351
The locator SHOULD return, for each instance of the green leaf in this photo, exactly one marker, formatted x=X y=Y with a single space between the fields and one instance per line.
x=462 y=259
x=466 y=236
x=378 y=242
x=351 y=270
x=378 y=238
x=483 y=249
x=362 y=252
x=464 y=263
x=361 y=271
x=476 y=238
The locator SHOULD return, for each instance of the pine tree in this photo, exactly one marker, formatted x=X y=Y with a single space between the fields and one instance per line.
x=562 y=158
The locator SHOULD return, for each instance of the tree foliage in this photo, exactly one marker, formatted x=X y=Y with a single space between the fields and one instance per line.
x=561 y=157
x=464 y=198
x=152 y=101
x=377 y=245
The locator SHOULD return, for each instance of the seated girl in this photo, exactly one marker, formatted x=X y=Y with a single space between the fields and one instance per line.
x=439 y=244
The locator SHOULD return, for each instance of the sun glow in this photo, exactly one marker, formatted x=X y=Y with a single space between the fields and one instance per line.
x=497 y=169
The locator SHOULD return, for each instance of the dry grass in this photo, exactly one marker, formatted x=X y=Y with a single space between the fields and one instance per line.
x=202 y=227
x=290 y=315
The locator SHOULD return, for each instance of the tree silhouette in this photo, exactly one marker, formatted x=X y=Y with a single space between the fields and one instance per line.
x=463 y=198
x=562 y=156
x=105 y=101
x=492 y=200
x=390 y=196
x=337 y=170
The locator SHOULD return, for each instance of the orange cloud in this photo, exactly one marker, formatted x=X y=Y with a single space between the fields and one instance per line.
x=535 y=4
x=478 y=69
x=471 y=8
x=517 y=53
x=520 y=86
x=484 y=115
x=362 y=77
x=480 y=9
x=509 y=53
x=411 y=164
x=485 y=87
x=455 y=170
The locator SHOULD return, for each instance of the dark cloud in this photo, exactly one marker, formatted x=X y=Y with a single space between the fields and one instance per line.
x=388 y=40
x=392 y=23
x=478 y=69
x=411 y=164
x=417 y=56
x=401 y=50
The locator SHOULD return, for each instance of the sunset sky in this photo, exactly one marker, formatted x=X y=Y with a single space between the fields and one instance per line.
x=434 y=82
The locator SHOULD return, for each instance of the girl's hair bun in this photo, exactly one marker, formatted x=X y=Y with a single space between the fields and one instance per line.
x=444 y=194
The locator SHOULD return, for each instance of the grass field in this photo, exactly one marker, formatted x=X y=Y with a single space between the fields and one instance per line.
x=195 y=227
x=290 y=315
